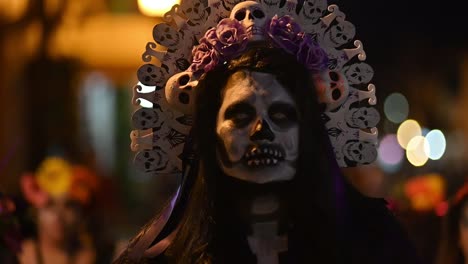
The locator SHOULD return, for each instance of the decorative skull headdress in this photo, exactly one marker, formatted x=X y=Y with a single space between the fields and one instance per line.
x=200 y=35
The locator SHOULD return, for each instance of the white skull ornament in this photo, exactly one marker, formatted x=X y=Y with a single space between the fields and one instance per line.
x=359 y=73
x=360 y=152
x=313 y=10
x=339 y=34
x=364 y=117
x=166 y=36
x=179 y=91
x=253 y=17
x=150 y=75
x=332 y=88
x=195 y=11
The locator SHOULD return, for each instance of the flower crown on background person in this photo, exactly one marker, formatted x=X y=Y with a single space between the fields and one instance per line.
x=199 y=35
x=56 y=177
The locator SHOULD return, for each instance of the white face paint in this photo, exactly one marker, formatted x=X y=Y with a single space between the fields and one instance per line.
x=258 y=128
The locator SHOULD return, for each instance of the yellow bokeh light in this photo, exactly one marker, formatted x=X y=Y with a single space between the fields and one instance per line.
x=408 y=130
x=13 y=10
x=416 y=151
x=156 y=8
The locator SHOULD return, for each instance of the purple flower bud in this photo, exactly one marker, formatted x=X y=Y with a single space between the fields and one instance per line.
x=285 y=33
x=311 y=55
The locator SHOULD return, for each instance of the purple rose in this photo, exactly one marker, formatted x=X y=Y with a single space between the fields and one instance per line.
x=210 y=38
x=285 y=33
x=205 y=58
x=311 y=55
x=232 y=37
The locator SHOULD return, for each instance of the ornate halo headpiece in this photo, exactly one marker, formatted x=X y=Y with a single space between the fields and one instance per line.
x=198 y=35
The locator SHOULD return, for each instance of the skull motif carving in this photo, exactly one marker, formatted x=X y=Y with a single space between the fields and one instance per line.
x=145 y=118
x=313 y=10
x=360 y=152
x=359 y=73
x=195 y=11
x=253 y=17
x=365 y=117
x=179 y=91
x=166 y=36
x=332 y=89
x=151 y=160
x=340 y=33
x=257 y=129
x=150 y=75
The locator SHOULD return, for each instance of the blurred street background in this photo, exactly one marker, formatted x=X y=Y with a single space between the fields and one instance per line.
x=67 y=69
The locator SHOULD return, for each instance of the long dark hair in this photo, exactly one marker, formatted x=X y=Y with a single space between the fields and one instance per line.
x=203 y=235
x=209 y=231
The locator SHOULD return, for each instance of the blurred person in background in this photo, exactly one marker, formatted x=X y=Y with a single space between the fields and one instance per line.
x=453 y=248
x=61 y=194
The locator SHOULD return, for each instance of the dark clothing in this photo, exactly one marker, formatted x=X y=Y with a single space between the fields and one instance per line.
x=372 y=233
x=368 y=234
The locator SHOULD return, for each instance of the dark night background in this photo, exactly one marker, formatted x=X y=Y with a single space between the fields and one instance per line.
x=51 y=60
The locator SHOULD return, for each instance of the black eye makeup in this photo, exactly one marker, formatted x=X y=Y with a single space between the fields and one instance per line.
x=241 y=114
x=283 y=114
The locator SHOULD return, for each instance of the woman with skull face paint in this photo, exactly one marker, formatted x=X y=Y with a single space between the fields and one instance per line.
x=266 y=187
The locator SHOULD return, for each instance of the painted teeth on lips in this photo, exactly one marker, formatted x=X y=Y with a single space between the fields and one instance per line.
x=263 y=156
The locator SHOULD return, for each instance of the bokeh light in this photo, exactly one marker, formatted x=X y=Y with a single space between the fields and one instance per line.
x=390 y=152
x=156 y=8
x=416 y=151
x=396 y=108
x=408 y=130
x=441 y=208
x=426 y=192
x=437 y=143
x=13 y=10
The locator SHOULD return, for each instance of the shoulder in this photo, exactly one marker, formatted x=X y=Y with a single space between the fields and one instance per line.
x=375 y=233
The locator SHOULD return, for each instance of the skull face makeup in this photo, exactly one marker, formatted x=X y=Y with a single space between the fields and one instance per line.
x=257 y=127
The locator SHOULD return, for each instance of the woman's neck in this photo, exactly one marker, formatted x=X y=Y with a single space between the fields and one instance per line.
x=262 y=209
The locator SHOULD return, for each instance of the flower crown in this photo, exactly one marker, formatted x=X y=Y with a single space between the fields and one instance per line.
x=230 y=38
x=56 y=177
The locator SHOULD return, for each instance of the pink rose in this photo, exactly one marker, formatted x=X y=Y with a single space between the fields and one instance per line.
x=205 y=58
x=232 y=37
